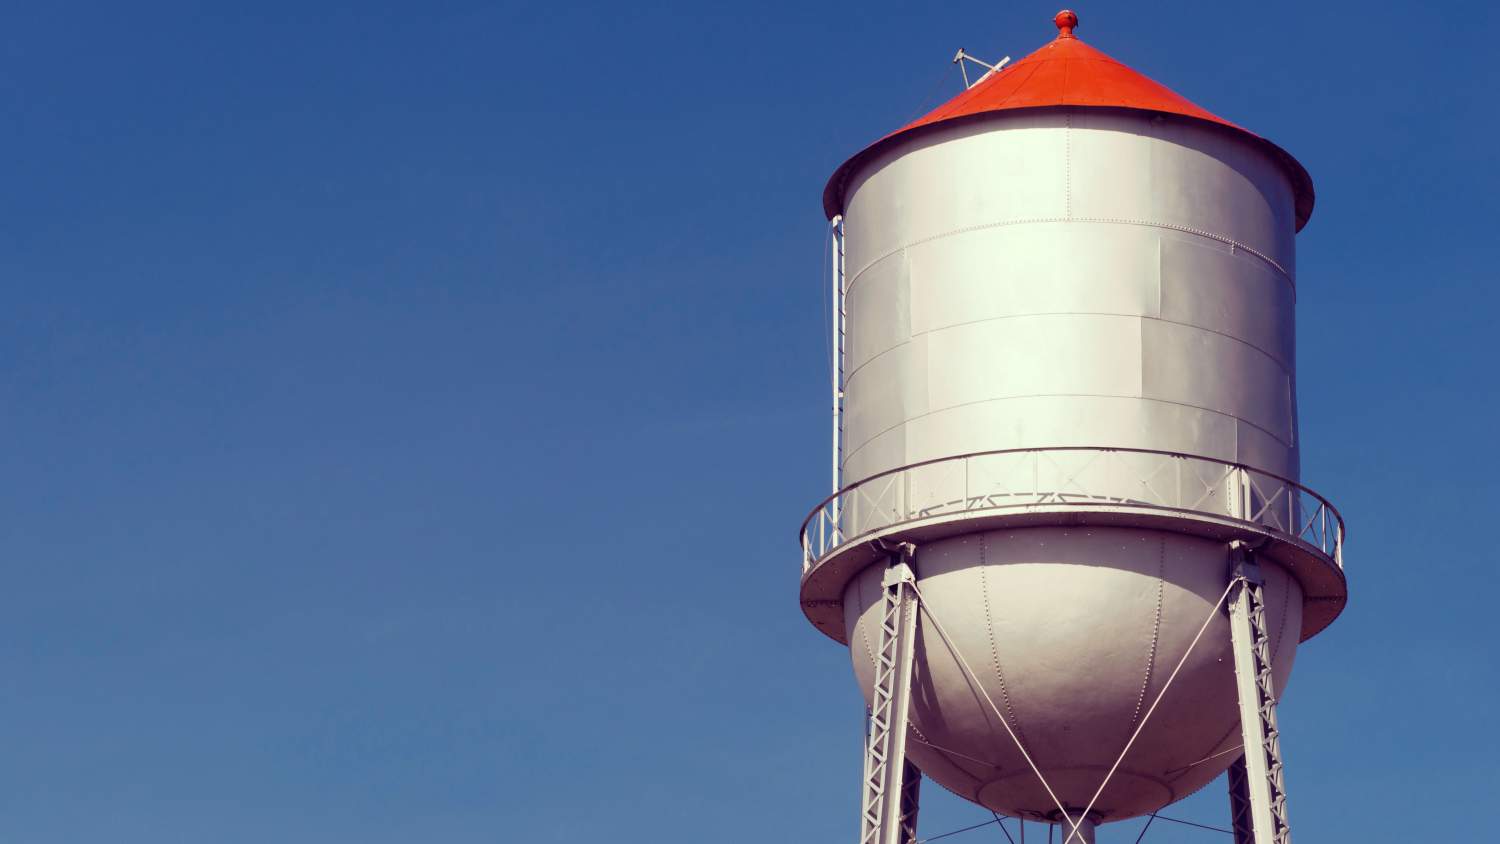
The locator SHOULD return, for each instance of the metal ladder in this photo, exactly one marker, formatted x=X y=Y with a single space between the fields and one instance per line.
x=836 y=363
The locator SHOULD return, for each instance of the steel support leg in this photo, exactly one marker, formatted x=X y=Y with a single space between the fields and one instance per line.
x=911 y=787
x=1084 y=834
x=888 y=805
x=1261 y=789
x=1239 y=803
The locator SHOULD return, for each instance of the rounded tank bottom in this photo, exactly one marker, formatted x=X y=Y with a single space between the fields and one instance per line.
x=1070 y=635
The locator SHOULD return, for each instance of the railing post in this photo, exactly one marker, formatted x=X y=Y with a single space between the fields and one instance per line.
x=1177 y=499
x=965 y=507
x=907 y=510
x=1246 y=495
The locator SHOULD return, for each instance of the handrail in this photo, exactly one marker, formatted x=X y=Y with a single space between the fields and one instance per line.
x=1129 y=478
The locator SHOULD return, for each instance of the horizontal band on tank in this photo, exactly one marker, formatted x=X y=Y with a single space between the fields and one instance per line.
x=848 y=456
x=1062 y=486
x=1218 y=238
x=1282 y=365
x=1177 y=279
x=837 y=192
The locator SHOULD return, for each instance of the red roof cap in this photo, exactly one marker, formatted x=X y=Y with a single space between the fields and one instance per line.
x=1066 y=72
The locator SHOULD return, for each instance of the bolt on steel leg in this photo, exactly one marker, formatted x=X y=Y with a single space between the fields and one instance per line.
x=888 y=804
x=1257 y=788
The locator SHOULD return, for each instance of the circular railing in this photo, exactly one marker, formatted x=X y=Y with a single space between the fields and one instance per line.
x=1046 y=479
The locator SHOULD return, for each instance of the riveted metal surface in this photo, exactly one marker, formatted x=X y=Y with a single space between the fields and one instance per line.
x=1063 y=629
x=983 y=316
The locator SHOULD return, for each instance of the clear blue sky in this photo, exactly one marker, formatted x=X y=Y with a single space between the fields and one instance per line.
x=408 y=409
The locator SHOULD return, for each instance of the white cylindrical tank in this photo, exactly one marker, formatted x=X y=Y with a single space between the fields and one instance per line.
x=1070 y=276
x=1106 y=271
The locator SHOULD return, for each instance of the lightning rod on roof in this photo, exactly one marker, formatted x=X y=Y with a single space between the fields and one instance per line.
x=960 y=57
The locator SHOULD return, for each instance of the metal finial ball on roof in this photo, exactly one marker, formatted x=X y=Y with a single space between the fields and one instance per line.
x=1066 y=22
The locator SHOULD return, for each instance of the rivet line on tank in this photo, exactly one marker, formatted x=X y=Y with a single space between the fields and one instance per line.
x=1023 y=221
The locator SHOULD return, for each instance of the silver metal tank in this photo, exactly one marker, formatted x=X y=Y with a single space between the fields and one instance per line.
x=1069 y=380
x=1070 y=277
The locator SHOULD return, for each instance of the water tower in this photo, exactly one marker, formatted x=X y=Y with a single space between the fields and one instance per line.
x=1068 y=546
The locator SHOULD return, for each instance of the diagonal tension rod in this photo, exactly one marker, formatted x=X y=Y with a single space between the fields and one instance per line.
x=974 y=681
x=1147 y=717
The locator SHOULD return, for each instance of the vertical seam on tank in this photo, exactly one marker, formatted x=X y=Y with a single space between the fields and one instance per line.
x=1161 y=570
x=989 y=624
x=1160 y=304
x=1286 y=601
x=850 y=454
x=977 y=782
x=1068 y=164
x=864 y=630
x=1283 y=366
x=1291 y=400
x=1026 y=221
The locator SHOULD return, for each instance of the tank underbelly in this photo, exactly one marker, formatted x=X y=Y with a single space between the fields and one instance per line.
x=1071 y=633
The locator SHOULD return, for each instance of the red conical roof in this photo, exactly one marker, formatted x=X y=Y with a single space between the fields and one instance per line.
x=1066 y=72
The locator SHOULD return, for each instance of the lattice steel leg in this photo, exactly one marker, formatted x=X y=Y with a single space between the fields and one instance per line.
x=888 y=807
x=1239 y=803
x=1263 y=787
x=911 y=787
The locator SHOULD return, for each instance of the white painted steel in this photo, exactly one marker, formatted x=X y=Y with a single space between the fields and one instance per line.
x=1105 y=280
x=1077 y=277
